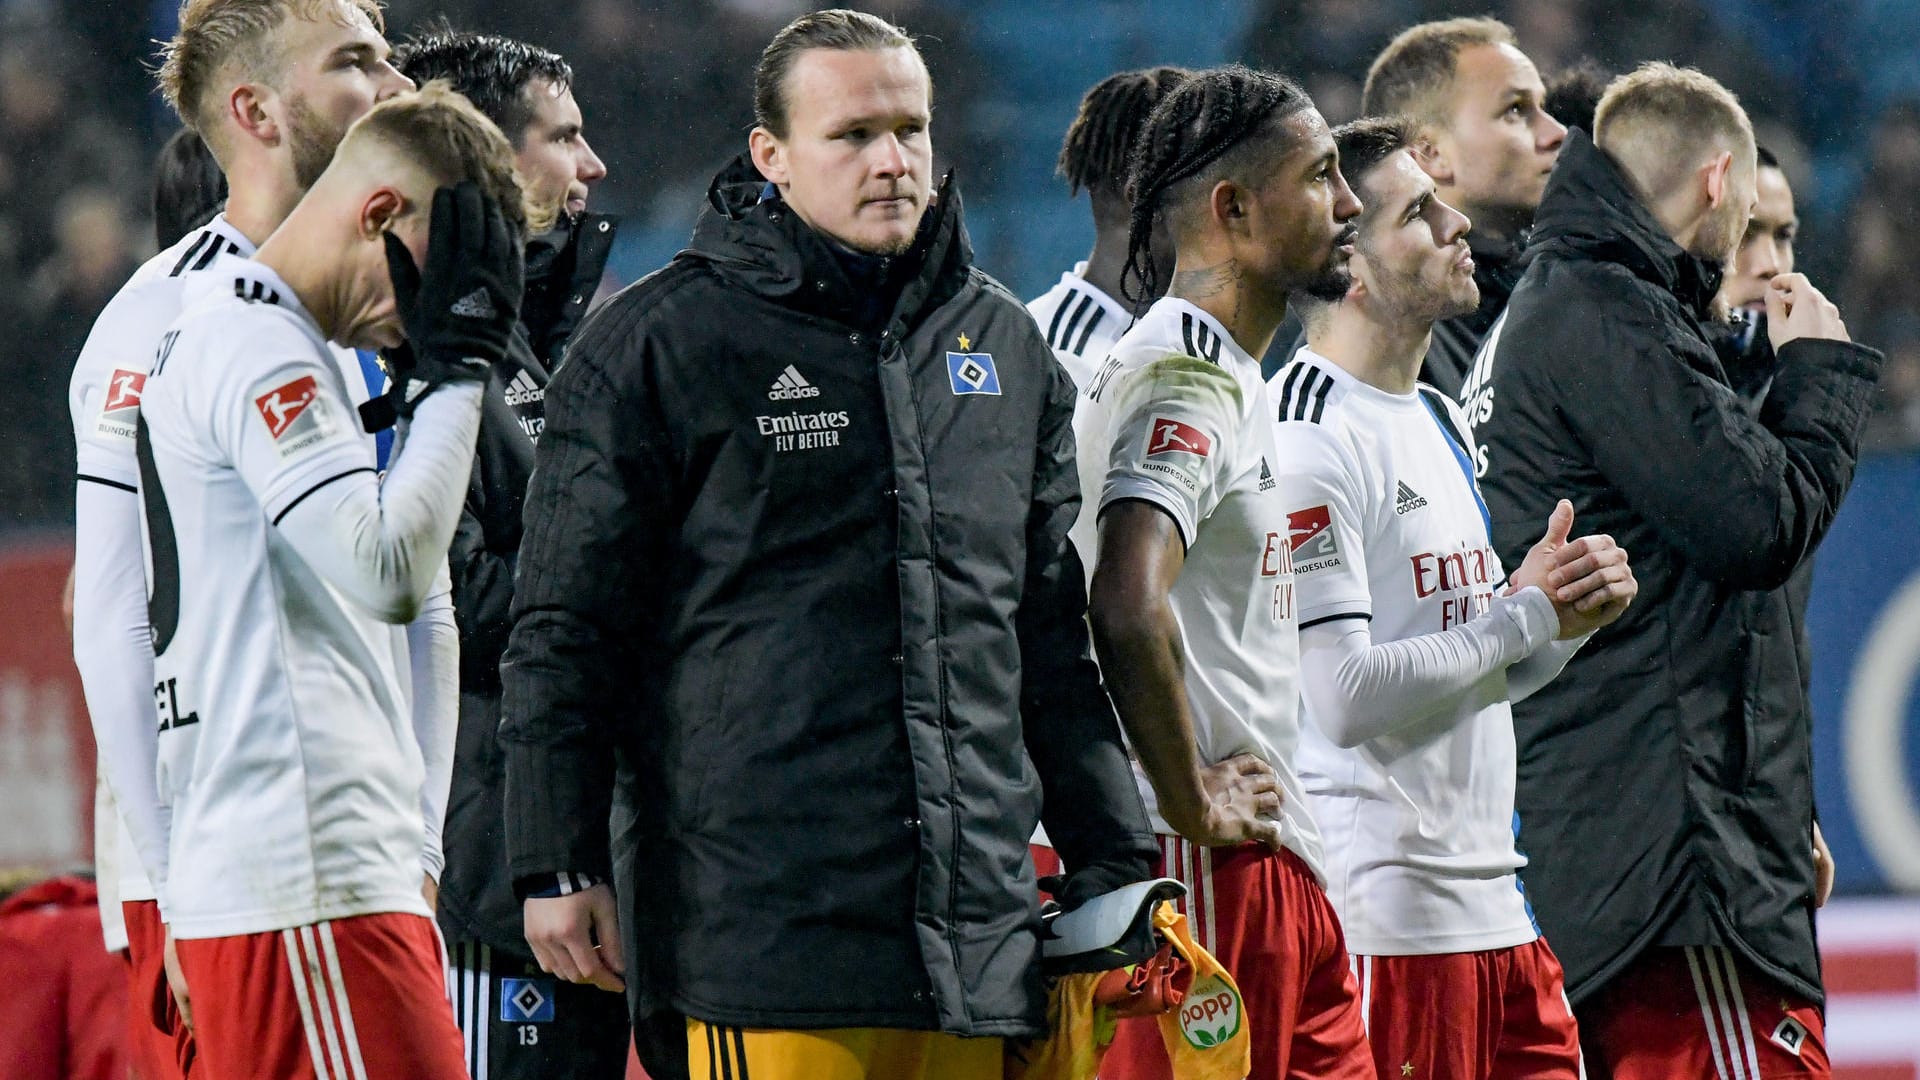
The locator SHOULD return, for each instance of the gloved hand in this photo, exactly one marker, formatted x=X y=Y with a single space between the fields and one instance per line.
x=459 y=312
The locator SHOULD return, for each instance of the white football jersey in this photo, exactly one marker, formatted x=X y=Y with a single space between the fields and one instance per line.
x=103 y=400
x=1177 y=416
x=1387 y=524
x=285 y=743
x=1081 y=323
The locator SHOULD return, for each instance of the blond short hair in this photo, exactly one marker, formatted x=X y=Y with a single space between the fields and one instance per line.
x=1413 y=75
x=1660 y=121
x=218 y=36
x=450 y=141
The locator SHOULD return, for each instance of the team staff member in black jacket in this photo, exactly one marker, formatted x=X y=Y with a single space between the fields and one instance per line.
x=1485 y=137
x=1665 y=795
x=517 y=1023
x=797 y=598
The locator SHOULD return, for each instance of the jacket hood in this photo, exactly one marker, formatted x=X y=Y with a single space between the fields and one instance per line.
x=760 y=244
x=1590 y=211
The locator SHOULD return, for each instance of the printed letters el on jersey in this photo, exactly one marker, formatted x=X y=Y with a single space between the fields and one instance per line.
x=294 y=416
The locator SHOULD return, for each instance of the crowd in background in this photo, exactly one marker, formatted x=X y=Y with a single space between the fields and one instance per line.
x=1833 y=89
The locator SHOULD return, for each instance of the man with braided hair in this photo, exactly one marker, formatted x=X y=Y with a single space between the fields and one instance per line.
x=1191 y=598
x=1082 y=315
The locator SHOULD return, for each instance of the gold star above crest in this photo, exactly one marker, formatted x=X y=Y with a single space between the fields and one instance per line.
x=965 y=345
x=1406 y=1069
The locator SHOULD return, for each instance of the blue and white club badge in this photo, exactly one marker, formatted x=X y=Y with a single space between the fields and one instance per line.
x=972 y=372
x=526 y=1001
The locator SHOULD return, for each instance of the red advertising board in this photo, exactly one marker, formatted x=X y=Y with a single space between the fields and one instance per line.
x=46 y=746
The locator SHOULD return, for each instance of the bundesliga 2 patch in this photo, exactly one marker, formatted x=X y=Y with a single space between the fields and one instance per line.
x=120 y=408
x=1311 y=535
x=972 y=373
x=294 y=416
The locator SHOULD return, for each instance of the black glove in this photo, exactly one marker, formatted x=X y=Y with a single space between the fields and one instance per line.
x=459 y=313
x=1076 y=887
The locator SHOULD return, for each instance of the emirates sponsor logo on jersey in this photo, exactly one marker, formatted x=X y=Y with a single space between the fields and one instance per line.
x=1468 y=570
x=294 y=415
x=1315 y=544
x=120 y=408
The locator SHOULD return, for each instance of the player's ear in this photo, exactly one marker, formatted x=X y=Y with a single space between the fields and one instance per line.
x=380 y=210
x=1227 y=204
x=252 y=108
x=1357 y=272
x=1714 y=172
x=769 y=155
x=1433 y=155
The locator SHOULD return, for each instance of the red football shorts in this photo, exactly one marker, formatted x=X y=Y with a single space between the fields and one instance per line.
x=1500 y=1014
x=1701 y=1011
x=159 y=1043
x=363 y=998
x=1263 y=916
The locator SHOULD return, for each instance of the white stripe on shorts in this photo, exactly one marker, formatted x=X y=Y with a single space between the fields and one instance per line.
x=1707 y=1015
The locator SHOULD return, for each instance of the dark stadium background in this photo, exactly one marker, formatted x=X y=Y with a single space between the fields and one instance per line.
x=1833 y=86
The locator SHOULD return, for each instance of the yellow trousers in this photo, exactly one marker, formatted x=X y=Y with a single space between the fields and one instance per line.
x=730 y=1053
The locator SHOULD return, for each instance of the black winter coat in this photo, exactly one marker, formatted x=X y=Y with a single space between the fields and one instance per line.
x=1665 y=789
x=797 y=583
x=477 y=901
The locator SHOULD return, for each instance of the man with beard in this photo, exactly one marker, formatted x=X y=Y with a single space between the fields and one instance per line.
x=271 y=85
x=1085 y=313
x=1191 y=599
x=1483 y=134
x=1664 y=795
x=798 y=605
x=517 y=1022
x=1413 y=640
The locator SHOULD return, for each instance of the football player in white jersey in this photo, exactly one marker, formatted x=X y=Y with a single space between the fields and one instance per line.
x=1191 y=599
x=1087 y=311
x=270 y=85
x=278 y=556
x=1413 y=640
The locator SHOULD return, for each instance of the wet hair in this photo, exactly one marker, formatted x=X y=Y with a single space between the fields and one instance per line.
x=838 y=29
x=491 y=71
x=188 y=187
x=1093 y=157
x=1575 y=92
x=217 y=33
x=1413 y=74
x=1214 y=126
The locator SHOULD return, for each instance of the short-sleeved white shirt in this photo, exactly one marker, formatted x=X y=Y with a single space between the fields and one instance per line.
x=1177 y=416
x=1388 y=525
x=1081 y=323
x=286 y=746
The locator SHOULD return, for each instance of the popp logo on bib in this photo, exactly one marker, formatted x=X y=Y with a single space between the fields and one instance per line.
x=1211 y=1014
